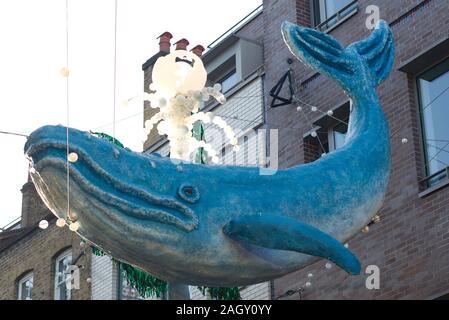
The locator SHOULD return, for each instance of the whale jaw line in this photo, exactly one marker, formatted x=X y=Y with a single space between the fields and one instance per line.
x=92 y=182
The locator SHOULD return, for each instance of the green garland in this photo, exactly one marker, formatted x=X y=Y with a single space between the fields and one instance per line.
x=107 y=138
x=145 y=284
x=219 y=293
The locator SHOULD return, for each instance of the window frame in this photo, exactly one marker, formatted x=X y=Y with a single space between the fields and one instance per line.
x=322 y=22
x=27 y=277
x=57 y=281
x=426 y=183
x=331 y=135
x=228 y=75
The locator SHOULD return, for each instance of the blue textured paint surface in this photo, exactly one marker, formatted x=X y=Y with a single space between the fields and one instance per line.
x=169 y=222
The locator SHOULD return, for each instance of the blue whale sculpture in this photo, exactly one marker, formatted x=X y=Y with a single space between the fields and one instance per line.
x=229 y=225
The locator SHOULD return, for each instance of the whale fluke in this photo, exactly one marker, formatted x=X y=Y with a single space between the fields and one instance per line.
x=324 y=54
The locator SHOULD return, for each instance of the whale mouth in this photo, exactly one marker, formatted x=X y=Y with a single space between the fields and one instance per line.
x=95 y=181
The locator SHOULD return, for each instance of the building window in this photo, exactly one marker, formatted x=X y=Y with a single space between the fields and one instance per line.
x=330 y=135
x=434 y=96
x=228 y=81
x=63 y=276
x=328 y=13
x=337 y=136
x=25 y=287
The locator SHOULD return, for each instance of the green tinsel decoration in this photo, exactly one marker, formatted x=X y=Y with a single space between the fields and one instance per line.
x=198 y=134
x=145 y=284
x=97 y=252
x=221 y=293
x=107 y=138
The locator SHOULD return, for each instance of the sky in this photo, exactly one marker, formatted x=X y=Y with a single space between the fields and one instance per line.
x=33 y=51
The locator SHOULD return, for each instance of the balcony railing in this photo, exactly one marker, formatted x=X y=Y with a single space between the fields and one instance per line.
x=435 y=179
x=341 y=15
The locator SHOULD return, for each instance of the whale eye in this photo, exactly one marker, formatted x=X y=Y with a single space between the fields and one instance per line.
x=189 y=193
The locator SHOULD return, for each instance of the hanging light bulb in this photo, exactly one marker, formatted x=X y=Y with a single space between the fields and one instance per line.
x=72 y=157
x=376 y=218
x=310 y=275
x=308 y=284
x=314 y=109
x=365 y=229
x=43 y=224
x=314 y=134
x=404 y=140
x=330 y=113
x=65 y=72
x=60 y=222
x=328 y=265
x=74 y=226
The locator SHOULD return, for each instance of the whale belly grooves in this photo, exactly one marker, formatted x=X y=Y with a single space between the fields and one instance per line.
x=132 y=200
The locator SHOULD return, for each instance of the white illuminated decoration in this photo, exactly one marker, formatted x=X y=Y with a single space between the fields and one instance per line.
x=177 y=90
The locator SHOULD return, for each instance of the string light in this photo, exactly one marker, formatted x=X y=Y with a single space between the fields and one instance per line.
x=404 y=140
x=61 y=222
x=74 y=226
x=43 y=224
x=72 y=157
x=65 y=72
x=328 y=266
x=365 y=229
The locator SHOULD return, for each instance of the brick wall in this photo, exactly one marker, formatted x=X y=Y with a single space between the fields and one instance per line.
x=411 y=243
x=33 y=209
x=37 y=252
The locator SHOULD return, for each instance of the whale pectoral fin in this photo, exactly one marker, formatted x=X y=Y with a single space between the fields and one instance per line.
x=283 y=233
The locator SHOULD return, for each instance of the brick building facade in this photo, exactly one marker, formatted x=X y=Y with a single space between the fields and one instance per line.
x=410 y=244
x=28 y=252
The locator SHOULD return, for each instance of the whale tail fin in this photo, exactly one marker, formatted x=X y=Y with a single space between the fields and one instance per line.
x=324 y=53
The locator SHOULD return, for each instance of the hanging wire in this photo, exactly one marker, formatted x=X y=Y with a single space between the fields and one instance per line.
x=67 y=106
x=14 y=134
x=115 y=70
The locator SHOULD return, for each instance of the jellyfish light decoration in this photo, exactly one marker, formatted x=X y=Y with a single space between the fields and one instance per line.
x=177 y=90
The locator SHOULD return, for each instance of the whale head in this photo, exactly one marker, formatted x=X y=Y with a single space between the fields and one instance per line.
x=146 y=206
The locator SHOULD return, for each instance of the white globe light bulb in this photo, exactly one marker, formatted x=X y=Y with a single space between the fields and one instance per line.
x=74 y=226
x=60 y=222
x=43 y=224
x=72 y=157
